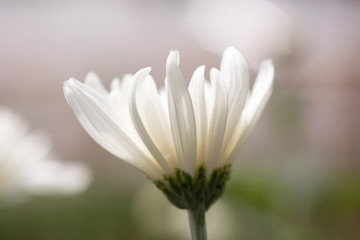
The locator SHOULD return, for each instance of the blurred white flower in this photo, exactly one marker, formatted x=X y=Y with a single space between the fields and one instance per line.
x=27 y=166
x=259 y=28
x=175 y=127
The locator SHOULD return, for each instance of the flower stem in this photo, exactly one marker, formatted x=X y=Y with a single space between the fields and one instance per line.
x=197 y=223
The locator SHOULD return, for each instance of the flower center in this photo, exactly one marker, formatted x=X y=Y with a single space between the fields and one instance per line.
x=187 y=192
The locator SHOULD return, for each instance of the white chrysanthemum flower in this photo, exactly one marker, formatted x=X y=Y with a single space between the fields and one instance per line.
x=26 y=165
x=175 y=127
x=183 y=138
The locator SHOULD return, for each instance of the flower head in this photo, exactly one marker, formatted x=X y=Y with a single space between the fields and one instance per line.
x=178 y=130
x=26 y=165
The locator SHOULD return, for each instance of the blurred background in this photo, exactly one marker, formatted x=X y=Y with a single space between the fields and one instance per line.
x=298 y=175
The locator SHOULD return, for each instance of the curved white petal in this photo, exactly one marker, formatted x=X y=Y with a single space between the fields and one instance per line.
x=255 y=105
x=197 y=93
x=93 y=80
x=236 y=76
x=101 y=123
x=261 y=92
x=138 y=79
x=208 y=99
x=118 y=102
x=218 y=120
x=164 y=102
x=181 y=113
x=153 y=112
x=115 y=84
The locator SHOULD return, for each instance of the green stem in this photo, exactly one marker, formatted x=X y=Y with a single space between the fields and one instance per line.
x=197 y=223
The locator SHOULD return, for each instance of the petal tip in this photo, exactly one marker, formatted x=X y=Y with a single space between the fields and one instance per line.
x=147 y=69
x=269 y=61
x=214 y=70
x=231 y=49
x=173 y=58
x=269 y=65
x=142 y=73
x=67 y=90
x=91 y=73
x=91 y=77
x=232 y=57
x=70 y=81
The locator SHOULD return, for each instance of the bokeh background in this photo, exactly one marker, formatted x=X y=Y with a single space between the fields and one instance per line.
x=298 y=175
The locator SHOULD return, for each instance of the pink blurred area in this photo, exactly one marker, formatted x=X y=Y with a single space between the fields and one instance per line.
x=43 y=43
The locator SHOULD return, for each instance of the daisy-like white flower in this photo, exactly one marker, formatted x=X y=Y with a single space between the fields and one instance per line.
x=27 y=166
x=184 y=138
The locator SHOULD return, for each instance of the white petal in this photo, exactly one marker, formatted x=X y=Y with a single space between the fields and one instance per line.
x=153 y=112
x=93 y=80
x=138 y=79
x=197 y=93
x=218 y=120
x=126 y=81
x=208 y=99
x=261 y=92
x=119 y=104
x=115 y=84
x=236 y=75
x=255 y=105
x=100 y=122
x=164 y=100
x=181 y=113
